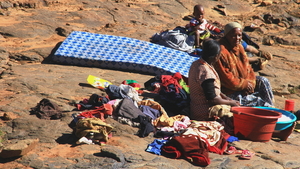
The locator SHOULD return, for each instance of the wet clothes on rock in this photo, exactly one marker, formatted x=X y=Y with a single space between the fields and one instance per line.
x=92 y=125
x=155 y=146
x=127 y=109
x=190 y=147
x=47 y=109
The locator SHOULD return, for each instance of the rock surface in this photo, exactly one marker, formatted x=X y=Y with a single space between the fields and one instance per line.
x=30 y=31
x=20 y=148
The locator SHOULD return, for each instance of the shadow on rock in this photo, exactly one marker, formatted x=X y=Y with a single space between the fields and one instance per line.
x=85 y=85
x=6 y=160
x=67 y=139
x=48 y=60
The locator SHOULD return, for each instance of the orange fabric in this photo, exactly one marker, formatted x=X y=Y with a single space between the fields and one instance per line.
x=105 y=109
x=234 y=69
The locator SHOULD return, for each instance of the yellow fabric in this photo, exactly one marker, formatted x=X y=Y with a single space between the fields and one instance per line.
x=210 y=130
x=220 y=111
x=168 y=122
x=92 y=125
x=184 y=86
x=205 y=36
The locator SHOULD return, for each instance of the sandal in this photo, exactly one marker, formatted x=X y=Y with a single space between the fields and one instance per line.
x=247 y=155
x=233 y=150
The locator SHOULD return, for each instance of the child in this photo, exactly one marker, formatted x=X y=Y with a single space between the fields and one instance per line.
x=199 y=26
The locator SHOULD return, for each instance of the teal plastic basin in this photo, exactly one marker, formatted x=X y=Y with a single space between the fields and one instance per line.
x=282 y=125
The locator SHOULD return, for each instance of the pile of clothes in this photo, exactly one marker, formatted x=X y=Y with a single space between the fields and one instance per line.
x=176 y=135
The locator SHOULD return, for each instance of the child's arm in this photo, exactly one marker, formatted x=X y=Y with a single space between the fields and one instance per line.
x=212 y=28
x=192 y=26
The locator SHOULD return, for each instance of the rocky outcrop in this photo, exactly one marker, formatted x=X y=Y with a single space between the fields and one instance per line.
x=19 y=148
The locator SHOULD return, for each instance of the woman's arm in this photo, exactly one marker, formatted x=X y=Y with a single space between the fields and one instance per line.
x=213 y=99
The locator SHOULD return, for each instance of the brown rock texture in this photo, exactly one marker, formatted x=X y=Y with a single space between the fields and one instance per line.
x=31 y=31
x=20 y=148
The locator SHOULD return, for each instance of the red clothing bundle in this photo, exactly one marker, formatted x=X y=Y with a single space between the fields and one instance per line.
x=190 y=147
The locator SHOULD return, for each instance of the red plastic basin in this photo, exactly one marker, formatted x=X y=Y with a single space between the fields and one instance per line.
x=254 y=124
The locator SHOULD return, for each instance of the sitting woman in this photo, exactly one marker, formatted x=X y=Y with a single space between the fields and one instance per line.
x=236 y=74
x=204 y=83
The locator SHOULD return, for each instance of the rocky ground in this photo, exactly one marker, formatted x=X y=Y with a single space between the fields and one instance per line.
x=31 y=30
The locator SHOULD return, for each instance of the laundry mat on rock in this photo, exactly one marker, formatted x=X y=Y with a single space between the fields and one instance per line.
x=121 y=53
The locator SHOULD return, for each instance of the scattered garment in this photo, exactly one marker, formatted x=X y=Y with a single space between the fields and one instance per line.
x=127 y=109
x=220 y=111
x=153 y=113
x=84 y=140
x=121 y=92
x=174 y=39
x=168 y=121
x=178 y=127
x=132 y=83
x=210 y=130
x=232 y=139
x=132 y=93
x=100 y=112
x=172 y=93
x=155 y=105
x=156 y=145
x=164 y=134
x=146 y=126
x=94 y=101
x=47 y=109
x=190 y=147
x=93 y=125
x=115 y=92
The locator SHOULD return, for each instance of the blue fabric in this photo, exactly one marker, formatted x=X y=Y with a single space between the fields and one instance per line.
x=153 y=113
x=264 y=89
x=232 y=139
x=262 y=96
x=155 y=146
x=244 y=44
x=115 y=92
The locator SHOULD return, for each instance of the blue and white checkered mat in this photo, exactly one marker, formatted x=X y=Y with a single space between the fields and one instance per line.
x=121 y=53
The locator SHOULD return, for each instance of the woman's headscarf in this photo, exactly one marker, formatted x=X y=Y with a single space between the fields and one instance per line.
x=231 y=26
